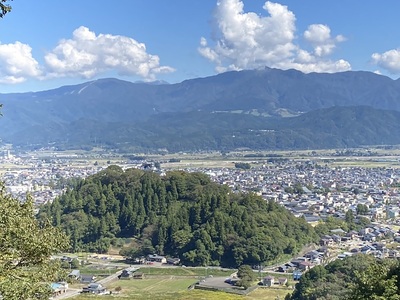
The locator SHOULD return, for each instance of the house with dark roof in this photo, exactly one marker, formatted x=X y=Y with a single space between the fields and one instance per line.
x=157 y=258
x=128 y=273
x=94 y=288
x=87 y=278
x=305 y=265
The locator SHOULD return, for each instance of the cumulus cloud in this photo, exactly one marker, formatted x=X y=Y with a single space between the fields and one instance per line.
x=319 y=36
x=87 y=55
x=17 y=63
x=389 y=60
x=247 y=40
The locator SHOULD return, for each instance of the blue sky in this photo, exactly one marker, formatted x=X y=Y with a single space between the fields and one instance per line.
x=49 y=43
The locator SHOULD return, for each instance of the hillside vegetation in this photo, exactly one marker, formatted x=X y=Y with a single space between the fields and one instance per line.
x=358 y=277
x=258 y=109
x=180 y=214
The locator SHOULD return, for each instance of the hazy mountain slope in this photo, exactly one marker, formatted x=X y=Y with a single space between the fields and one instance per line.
x=227 y=110
x=326 y=128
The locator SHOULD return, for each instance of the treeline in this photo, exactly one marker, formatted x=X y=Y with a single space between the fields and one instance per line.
x=180 y=214
x=357 y=277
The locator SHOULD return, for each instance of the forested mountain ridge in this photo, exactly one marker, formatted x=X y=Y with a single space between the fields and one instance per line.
x=225 y=111
x=180 y=214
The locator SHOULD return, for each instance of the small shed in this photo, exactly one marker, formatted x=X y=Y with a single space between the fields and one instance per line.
x=282 y=280
x=138 y=275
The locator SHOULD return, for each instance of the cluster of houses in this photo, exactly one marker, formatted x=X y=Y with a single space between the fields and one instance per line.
x=155 y=258
x=82 y=278
x=371 y=240
x=297 y=266
x=324 y=191
x=271 y=280
x=38 y=176
x=97 y=288
x=38 y=173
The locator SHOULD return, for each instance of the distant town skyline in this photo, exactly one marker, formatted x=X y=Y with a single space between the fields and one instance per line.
x=48 y=44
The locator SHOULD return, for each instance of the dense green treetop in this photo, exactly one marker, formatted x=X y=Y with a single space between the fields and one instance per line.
x=246 y=275
x=359 y=277
x=26 y=268
x=180 y=214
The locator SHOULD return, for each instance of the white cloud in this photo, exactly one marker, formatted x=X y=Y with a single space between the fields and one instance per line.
x=87 y=55
x=17 y=63
x=389 y=60
x=319 y=36
x=247 y=40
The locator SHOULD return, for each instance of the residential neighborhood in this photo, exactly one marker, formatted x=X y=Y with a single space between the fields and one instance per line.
x=308 y=188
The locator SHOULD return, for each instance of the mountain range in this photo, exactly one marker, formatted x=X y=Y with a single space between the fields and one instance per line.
x=256 y=109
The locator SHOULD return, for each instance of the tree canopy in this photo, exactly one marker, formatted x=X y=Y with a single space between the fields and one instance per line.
x=180 y=214
x=354 y=278
x=26 y=267
x=246 y=276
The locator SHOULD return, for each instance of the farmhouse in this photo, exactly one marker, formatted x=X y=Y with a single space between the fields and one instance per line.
x=157 y=258
x=94 y=288
x=268 y=281
x=128 y=273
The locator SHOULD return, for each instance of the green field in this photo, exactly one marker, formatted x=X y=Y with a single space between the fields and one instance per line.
x=170 y=288
x=199 y=272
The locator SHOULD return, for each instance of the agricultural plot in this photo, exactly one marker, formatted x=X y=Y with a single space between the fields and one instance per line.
x=171 y=288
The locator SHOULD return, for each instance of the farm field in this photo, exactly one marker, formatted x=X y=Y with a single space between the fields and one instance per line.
x=171 y=288
x=186 y=271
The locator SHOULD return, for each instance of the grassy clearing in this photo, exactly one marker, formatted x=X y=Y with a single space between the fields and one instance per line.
x=167 y=288
x=153 y=285
x=97 y=270
x=185 y=271
x=268 y=294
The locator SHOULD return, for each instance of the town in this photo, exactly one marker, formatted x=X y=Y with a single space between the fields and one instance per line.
x=314 y=187
x=308 y=187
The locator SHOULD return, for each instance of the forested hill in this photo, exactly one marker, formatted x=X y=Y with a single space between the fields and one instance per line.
x=180 y=214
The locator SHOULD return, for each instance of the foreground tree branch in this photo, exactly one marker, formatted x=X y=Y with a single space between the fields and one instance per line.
x=26 y=247
x=4 y=7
